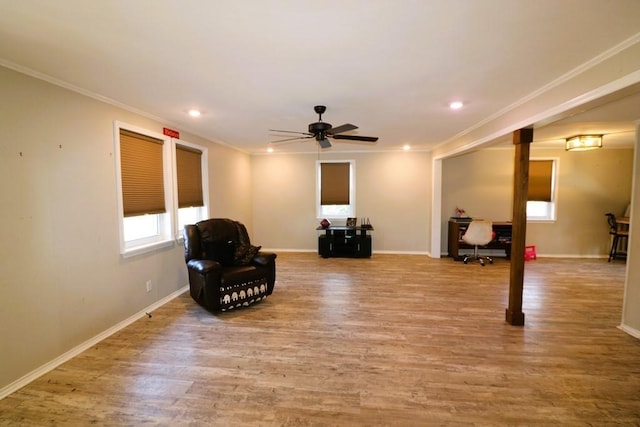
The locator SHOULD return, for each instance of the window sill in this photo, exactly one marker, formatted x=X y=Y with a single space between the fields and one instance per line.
x=336 y=217
x=541 y=220
x=145 y=249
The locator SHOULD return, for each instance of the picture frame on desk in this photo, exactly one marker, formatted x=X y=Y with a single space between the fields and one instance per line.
x=352 y=222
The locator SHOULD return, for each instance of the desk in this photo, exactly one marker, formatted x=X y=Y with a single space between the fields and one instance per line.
x=342 y=241
x=501 y=241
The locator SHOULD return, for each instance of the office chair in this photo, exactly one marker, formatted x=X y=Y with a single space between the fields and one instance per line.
x=479 y=233
x=617 y=233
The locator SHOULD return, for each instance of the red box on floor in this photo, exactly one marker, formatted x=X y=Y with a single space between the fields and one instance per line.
x=530 y=253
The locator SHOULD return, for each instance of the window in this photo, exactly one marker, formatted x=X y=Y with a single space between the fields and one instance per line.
x=144 y=181
x=335 y=189
x=541 y=203
x=191 y=167
x=150 y=170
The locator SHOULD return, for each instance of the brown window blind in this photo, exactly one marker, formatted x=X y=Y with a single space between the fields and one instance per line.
x=540 y=178
x=334 y=183
x=189 y=171
x=142 y=174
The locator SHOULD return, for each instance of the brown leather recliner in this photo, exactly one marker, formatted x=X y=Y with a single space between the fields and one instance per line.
x=225 y=270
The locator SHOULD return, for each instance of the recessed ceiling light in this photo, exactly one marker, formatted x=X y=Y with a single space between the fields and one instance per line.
x=270 y=150
x=194 y=113
x=406 y=147
x=456 y=105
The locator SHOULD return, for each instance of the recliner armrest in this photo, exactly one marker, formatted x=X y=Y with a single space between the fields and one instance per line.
x=203 y=266
x=264 y=258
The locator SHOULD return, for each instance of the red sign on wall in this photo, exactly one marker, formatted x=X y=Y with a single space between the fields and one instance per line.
x=172 y=133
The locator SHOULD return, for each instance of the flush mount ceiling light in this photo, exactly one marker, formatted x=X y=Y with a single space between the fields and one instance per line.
x=456 y=105
x=194 y=113
x=583 y=142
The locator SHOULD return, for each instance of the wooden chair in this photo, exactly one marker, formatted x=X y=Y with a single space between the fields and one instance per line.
x=617 y=234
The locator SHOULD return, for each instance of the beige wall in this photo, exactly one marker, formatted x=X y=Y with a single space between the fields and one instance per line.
x=229 y=183
x=62 y=280
x=590 y=183
x=392 y=189
x=631 y=304
x=480 y=183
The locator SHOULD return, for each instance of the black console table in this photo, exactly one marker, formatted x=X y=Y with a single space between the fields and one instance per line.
x=342 y=241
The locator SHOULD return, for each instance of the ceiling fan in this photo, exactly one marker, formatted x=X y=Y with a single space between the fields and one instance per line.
x=322 y=131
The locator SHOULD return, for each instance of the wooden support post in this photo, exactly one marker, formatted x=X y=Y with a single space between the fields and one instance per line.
x=522 y=139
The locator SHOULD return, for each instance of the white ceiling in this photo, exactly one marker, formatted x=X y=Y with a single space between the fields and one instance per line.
x=389 y=66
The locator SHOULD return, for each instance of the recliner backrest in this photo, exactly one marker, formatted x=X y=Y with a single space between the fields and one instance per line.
x=199 y=238
x=217 y=230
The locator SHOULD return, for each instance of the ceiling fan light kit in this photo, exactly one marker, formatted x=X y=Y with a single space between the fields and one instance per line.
x=322 y=131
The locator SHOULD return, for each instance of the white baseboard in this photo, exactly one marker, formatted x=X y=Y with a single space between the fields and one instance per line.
x=373 y=252
x=288 y=250
x=497 y=253
x=631 y=331
x=539 y=255
x=402 y=253
x=573 y=256
x=49 y=366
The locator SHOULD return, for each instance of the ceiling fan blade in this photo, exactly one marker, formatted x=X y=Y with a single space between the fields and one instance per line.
x=342 y=128
x=288 y=131
x=324 y=143
x=287 y=141
x=357 y=138
x=290 y=139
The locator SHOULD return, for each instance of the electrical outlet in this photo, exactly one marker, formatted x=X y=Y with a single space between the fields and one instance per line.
x=149 y=286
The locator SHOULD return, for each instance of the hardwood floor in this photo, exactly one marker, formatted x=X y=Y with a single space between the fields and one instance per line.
x=391 y=340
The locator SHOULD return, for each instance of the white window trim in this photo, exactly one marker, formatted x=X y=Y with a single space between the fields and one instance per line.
x=165 y=237
x=553 y=208
x=352 y=189
x=204 y=167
